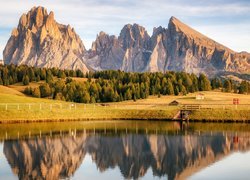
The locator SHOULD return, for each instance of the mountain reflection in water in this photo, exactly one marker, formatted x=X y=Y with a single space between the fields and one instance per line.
x=175 y=156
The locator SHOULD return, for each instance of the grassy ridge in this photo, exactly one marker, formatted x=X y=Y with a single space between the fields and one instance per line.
x=22 y=108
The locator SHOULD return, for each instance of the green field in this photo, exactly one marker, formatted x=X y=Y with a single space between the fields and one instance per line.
x=16 y=107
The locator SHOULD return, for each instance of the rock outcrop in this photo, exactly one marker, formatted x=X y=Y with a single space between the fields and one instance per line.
x=42 y=42
x=176 y=48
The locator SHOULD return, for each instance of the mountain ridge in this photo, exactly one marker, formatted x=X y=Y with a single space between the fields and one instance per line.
x=40 y=41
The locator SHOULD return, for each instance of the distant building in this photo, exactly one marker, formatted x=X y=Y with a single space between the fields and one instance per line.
x=200 y=96
x=174 y=103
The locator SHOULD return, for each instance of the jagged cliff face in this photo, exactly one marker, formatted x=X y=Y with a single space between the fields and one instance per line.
x=178 y=48
x=42 y=42
x=128 y=52
x=176 y=156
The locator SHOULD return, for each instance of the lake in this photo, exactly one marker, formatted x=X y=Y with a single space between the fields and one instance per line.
x=124 y=150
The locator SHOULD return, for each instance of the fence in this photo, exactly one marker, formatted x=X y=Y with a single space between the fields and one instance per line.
x=74 y=106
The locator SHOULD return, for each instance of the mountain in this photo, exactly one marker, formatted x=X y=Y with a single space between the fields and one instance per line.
x=176 y=48
x=40 y=41
x=174 y=156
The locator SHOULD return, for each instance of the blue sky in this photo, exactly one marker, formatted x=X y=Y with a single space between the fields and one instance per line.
x=226 y=21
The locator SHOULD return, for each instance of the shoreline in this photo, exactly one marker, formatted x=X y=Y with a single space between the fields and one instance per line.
x=243 y=121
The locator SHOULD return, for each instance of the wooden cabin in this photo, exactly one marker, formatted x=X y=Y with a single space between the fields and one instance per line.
x=174 y=103
x=200 y=96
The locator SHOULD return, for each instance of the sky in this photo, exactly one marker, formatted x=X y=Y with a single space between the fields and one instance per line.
x=225 y=21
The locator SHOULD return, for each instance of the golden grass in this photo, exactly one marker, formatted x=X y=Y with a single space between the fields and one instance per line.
x=21 y=107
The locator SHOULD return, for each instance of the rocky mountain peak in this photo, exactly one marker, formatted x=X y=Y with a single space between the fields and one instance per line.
x=35 y=17
x=103 y=42
x=40 y=41
x=132 y=36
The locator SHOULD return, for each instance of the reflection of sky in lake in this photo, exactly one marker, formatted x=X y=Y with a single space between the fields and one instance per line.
x=5 y=170
x=118 y=155
x=234 y=166
x=89 y=170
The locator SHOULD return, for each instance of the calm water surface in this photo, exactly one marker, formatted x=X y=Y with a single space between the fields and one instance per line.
x=125 y=150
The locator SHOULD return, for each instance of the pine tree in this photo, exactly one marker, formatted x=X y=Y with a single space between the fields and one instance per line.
x=227 y=86
x=45 y=90
x=204 y=83
x=128 y=94
x=26 y=80
x=1 y=81
x=170 y=89
x=244 y=87
x=36 y=92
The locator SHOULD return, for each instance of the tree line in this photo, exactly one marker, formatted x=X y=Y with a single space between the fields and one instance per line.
x=111 y=86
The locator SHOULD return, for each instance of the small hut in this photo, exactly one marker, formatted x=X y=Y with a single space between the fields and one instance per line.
x=200 y=96
x=174 y=103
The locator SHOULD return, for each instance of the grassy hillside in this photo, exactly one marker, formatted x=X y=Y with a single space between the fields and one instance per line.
x=16 y=106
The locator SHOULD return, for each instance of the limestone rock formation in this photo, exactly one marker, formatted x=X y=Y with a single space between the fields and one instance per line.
x=176 y=48
x=42 y=42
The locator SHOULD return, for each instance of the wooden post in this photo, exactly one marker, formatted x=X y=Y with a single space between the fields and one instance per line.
x=18 y=107
x=6 y=135
x=18 y=134
x=40 y=133
x=75 y=106
x=29 y=134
